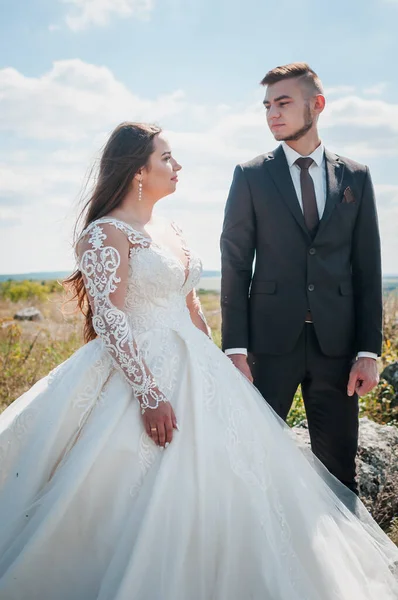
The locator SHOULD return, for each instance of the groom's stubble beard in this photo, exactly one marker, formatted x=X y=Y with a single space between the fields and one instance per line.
x=308 y=123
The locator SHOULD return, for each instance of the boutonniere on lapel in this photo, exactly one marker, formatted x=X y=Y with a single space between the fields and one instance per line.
x=348 y=196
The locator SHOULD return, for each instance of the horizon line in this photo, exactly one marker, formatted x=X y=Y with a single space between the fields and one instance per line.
x=68 y=271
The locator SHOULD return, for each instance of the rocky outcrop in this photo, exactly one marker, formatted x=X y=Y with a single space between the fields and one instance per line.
x=377 y=467
x=390 y=374
x=28 y=314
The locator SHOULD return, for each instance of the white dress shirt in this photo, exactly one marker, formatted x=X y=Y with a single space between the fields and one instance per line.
x=318 y=173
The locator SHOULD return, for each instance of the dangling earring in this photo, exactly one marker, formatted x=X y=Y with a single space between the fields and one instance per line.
x=139 y=191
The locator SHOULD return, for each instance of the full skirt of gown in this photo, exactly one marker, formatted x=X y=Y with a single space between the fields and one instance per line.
x=92 y=509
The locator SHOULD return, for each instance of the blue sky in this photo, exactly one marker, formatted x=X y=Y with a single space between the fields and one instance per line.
x=71 y=70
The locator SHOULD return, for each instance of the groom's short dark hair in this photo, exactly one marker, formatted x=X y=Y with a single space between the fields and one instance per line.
x=295 y=70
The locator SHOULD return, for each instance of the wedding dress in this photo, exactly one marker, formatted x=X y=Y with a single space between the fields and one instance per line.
x=92 y=509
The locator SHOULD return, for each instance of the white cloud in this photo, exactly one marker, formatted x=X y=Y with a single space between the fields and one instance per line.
x=364 y=128
x=376 y=90
x=73 y=100
x=354 y=110
x=59 y=120
x=88 y=13
x=24 y=182
x=339 y=90
x=387 y=196
x=9 y=217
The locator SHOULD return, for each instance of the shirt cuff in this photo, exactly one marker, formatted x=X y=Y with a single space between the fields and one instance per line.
x=367 y=355
x=236 y=351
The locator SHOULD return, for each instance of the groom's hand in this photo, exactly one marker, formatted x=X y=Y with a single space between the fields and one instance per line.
x=240 y=362
x=364 y=376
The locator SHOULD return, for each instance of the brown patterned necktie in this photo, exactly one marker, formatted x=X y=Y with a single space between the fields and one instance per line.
x=310 y=208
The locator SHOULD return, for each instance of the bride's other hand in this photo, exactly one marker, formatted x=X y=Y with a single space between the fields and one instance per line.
x=159 y=423
x=240 y=362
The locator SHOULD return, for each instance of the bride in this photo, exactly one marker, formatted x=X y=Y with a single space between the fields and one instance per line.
x=146 y=467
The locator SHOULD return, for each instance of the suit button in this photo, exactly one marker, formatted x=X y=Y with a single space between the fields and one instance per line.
x=311 y=287
x=312 y=251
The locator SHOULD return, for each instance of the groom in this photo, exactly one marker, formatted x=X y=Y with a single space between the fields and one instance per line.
x=309 y=311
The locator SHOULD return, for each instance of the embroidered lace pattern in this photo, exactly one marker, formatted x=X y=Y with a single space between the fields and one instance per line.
x=99 y=262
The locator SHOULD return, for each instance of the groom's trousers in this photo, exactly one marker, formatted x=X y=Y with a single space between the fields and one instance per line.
x=332 y=415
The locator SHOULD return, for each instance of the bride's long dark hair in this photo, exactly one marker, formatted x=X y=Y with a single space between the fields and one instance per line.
x=125 y=153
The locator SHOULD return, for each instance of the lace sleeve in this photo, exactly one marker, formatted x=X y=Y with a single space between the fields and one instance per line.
x=103 y=254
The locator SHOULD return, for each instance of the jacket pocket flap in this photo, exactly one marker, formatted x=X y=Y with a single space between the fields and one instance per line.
x=346 y=288
x=263 y=287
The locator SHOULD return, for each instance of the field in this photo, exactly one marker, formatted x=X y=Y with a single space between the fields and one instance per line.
x=29 y=350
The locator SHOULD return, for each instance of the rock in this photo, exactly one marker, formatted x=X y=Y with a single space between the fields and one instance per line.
x=377 y=465
x=378 y=469
x=28 y=314
x=390 y=374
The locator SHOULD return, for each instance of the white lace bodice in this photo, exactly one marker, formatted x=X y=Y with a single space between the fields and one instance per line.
x=134 y=285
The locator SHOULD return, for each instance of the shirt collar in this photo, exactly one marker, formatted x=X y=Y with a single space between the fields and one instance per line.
x=291 y=155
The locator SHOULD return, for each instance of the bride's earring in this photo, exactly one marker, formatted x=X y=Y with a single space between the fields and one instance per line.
x=139 y=191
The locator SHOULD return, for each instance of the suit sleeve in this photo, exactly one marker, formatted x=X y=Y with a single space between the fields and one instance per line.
x=237 y=254
x=366 y=273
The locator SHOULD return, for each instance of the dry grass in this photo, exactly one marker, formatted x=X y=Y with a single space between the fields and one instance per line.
x=30 y=349
x=393 y=533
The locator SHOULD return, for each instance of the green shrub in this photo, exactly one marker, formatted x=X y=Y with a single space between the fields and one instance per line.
x=297 y=411
x=27 y=290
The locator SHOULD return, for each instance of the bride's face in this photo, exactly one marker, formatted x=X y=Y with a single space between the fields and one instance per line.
x=160 y=177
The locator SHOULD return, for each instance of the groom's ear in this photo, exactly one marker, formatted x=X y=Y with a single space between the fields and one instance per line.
x=319 y=103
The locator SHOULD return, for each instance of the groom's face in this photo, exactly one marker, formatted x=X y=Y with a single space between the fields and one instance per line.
x=288 y=108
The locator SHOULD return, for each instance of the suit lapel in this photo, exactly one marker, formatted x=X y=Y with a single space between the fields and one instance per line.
x=278 y=169
x=334 y=178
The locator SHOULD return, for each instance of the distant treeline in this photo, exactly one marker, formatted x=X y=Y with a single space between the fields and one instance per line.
x=29 y=289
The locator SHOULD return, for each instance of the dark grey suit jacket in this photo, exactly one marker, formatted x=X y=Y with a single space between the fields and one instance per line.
x=337 y=275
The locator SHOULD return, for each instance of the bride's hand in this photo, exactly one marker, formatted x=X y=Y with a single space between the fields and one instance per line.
x=159 y=423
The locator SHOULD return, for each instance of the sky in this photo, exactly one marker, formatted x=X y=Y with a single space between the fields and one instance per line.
x=71 y=70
